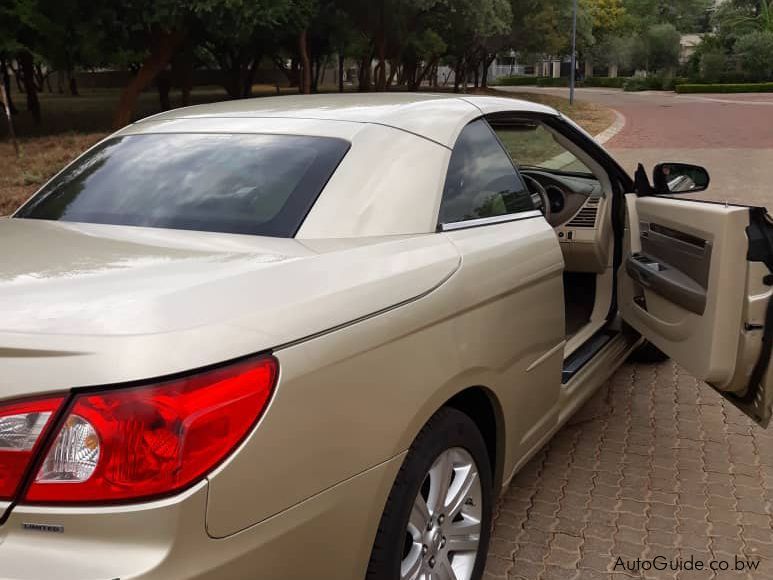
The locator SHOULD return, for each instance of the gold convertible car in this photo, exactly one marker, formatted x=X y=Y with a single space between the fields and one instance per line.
x=315 y=337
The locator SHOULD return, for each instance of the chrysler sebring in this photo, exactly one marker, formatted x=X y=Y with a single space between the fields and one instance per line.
x=315 y=337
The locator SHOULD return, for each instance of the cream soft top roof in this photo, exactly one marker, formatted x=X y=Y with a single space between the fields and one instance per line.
x=432 y=116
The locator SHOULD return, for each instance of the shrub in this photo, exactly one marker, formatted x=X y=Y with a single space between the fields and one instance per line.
x=635 y=84
x=516 y=81
x=553 y=82
x=520 y=80
x=755 y=50
x=725 y=88
x=608 y=82
x=712 y=65
x=663 y=46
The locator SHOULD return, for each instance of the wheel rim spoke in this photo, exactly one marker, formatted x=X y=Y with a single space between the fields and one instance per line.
x=412 y=565
x=466 y=477
x=439 y=481
x=443 y=570
x=464 y=536
x=419 y=517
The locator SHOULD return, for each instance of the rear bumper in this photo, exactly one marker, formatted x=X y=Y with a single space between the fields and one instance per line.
x=327 y=536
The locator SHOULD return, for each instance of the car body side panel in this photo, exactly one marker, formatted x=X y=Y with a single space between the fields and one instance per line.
x=354 y=398
x=121 y=299
x=167 y=539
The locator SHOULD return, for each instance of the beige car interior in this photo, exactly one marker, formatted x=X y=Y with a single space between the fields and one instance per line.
x=580 y=193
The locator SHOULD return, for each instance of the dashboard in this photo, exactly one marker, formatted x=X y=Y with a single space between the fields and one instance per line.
x=576 y=202
x=567 y=194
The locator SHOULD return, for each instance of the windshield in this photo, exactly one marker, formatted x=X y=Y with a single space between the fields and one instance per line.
x=234 y=183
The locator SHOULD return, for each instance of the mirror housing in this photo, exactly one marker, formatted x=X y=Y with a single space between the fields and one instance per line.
x=676 y=178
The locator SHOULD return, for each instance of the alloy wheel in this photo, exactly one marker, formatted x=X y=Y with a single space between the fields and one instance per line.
x=444 y=529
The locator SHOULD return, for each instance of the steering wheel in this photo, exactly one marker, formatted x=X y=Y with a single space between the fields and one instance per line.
x=538 y=195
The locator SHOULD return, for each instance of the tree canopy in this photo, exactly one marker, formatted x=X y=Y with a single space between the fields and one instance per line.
x=389 y=42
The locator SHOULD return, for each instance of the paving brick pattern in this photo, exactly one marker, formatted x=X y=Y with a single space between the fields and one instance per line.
x=655 y=464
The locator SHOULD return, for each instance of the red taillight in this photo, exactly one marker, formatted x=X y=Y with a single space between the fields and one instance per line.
x=21 y=427
x=149 y=441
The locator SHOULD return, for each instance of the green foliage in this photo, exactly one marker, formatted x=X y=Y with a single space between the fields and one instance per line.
x=652 y=83
x=520 y=80
x=684 y=15
x=606 y=82
x=657 y=49
x=725 y=88
x=755 y=52
x=517 y=81
x=663 y=46
x=713 y=64
x=739 y=17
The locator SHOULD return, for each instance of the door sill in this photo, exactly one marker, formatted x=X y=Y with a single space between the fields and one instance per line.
x=585 y=353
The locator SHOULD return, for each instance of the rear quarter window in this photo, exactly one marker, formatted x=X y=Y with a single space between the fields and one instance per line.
x=233 y=183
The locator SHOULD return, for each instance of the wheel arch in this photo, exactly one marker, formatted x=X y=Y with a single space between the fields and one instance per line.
x=483 y=407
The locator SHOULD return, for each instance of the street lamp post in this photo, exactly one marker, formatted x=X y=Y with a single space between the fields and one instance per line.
x=574 y=53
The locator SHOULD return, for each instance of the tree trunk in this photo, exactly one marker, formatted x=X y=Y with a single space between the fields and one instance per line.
x=27 y=66
x=163 y=45
x=477 y=75
x=182 y=73
x=74 y=86
x=422 y=74
x=613 y=70
x=294 y=74
x=364 y=76
x=380 y=70
x=340 y=72
x=318 y=68
x=249 y=77
x=487 y=60
x=392 y=72
x=232 y=63
x=303 y=49
x=5 y=97
x=164 y=85
x=6 y=80
x=39 y=77
x=588 y=67
x=60 y=82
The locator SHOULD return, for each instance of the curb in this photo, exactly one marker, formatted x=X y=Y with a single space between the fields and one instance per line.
x=611 y=131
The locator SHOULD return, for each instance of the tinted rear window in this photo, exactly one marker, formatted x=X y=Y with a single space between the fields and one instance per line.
x=245 y=184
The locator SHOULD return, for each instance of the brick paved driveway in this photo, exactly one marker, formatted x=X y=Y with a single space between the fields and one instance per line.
x=656 y=464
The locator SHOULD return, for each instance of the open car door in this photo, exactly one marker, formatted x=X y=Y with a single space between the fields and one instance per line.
x=696 y=281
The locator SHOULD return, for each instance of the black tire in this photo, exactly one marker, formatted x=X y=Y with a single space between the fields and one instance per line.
x=447 y=429
x=648 y=353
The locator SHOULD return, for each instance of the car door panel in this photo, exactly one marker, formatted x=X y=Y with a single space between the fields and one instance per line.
x=690 y=287
x=510 y=325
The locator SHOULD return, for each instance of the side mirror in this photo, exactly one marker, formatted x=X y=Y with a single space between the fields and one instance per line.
x=679 y=178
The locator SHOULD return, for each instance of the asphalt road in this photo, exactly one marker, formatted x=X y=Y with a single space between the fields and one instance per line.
x=656 y=468
x=730 y=135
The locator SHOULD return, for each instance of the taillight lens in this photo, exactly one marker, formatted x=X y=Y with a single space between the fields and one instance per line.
x=21 y=426
x=149 y=441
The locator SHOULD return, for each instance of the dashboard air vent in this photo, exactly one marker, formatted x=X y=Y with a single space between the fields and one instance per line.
x=586 y=217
